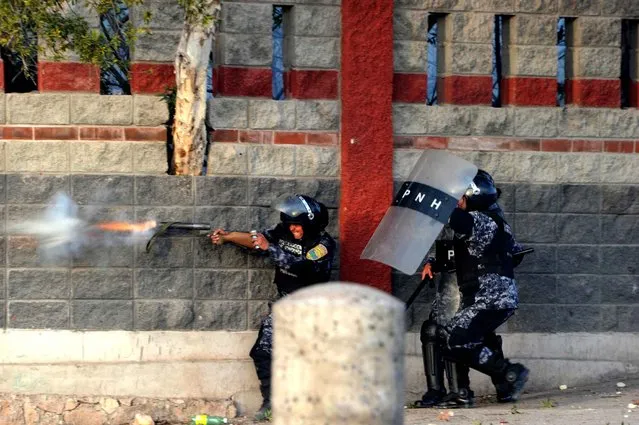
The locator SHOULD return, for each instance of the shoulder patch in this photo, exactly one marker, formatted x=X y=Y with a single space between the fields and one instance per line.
x=316 y=253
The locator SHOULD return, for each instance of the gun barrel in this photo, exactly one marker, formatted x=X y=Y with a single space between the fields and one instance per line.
x=185 y=226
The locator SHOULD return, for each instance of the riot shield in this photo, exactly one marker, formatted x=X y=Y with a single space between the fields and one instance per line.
x=419 y=211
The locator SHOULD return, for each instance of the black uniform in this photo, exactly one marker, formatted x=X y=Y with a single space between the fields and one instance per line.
x=299 y=263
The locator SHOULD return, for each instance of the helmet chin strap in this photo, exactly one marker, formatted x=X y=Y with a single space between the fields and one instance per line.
x=311 y=216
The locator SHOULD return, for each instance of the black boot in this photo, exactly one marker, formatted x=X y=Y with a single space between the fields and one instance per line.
x=512 y=384
x=265 y=410
x=460 y=395
x=433 y=368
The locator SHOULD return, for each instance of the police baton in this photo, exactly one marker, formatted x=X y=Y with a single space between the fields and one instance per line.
x=423 y=283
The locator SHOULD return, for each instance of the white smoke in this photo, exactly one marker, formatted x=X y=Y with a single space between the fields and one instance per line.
x=62 y=233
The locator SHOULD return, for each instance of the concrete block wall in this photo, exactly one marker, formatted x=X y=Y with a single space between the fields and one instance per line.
x=529 y=51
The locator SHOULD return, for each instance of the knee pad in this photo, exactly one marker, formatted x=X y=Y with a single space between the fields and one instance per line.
x=428 y=332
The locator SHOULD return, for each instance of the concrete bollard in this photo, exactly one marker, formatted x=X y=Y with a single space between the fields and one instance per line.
x=338 y=357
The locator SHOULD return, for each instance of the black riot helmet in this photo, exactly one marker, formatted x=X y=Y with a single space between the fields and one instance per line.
x=482 y=192
x=312 y=215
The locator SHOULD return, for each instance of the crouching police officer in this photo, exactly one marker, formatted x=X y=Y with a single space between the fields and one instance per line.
x=483 y=246
x=302 y=253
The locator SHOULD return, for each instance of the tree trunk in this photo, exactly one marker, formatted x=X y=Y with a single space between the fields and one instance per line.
x=191 y=63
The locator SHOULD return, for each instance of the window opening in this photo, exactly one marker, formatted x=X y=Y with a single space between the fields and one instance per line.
x=114 y=78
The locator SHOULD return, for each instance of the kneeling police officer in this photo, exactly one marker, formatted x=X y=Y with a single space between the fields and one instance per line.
x=302 y=252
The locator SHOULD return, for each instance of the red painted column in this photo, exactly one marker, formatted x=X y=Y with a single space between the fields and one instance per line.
x=366 y=134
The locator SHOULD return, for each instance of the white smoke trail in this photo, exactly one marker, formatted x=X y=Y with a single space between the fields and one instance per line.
x=61 y=233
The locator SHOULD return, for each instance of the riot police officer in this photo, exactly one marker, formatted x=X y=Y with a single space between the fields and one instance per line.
x=302 y=252
x=483 y=246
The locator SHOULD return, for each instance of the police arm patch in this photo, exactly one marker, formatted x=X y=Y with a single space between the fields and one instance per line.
x=316 y=253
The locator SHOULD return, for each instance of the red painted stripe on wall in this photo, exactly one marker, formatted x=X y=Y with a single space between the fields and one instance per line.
x=151 y=78
x=529 y=91
x=366 y=134
x=594 y=93
x=68 y=76
x=466 y=90
x=312 y=84
x=409 y=88
x=237 y=81
x=1 y=75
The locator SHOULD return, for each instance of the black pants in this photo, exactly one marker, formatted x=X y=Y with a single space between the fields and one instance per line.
x=262 y=353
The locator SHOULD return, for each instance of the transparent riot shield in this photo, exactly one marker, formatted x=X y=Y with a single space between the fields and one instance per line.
x=419 y=211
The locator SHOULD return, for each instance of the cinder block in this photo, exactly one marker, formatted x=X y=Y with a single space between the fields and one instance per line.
x=102 y=315
x=221 y=191
x=619 y=199
x=323 y=21
x=533 y=30
x=410 y=119
x=315 y=52
x=580 y=198
x=38 y=315
x=325 y=190
x=271 y=160
x=261 y=286
x=150 y=158
x=103 y=157
x=618 y=123
x=102 y=190
x=158 y=46
x=470 y=27
x=257 y=311
x=537 y=6
x=435 y=5
x=165 y=14
x=247 y=18
x=620 y=169
x=537 y=288
x=621 y=8
x=227 y=113
x=536 y=197
x=403 y=162
x=410 y=24
x=164 y=190
x=227 y=158
x=449 y=120
x=221 y=284
x=37 y=156
x=597 y=62
x=579 y=168
x=469 y=59
x=164 y=315
x=498 y=6
x=221 y=315
x=619 y=259
x=160 y=213
x=101 y=110
x=223 y=217
x=317 y=161
x=536 y=228
x=246 y=49
x=272 y=114
x=102 y=284
x=493 y=121
x=538 y=167
x=317 y=115
x=33 y=108
x=619 y=229
x=578 y=259
x=579 y=7
x=38 y=284
x=410 y=56
x=2 y=108
x=536 y=122
x=163 y=283
x=579 y=122
x=209 y=255
x=578 y=228
x=173 y=253
x=105 y=256
x=620 y=290
x=499 y=164
x=34 y=189
x=149 y=110
x=538 y=61
x=597 y=32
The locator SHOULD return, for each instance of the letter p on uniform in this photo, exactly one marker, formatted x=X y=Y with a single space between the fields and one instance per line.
x=406 y=193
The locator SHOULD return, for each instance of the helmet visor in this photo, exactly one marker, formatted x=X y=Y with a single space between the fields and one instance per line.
x=293 y=206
